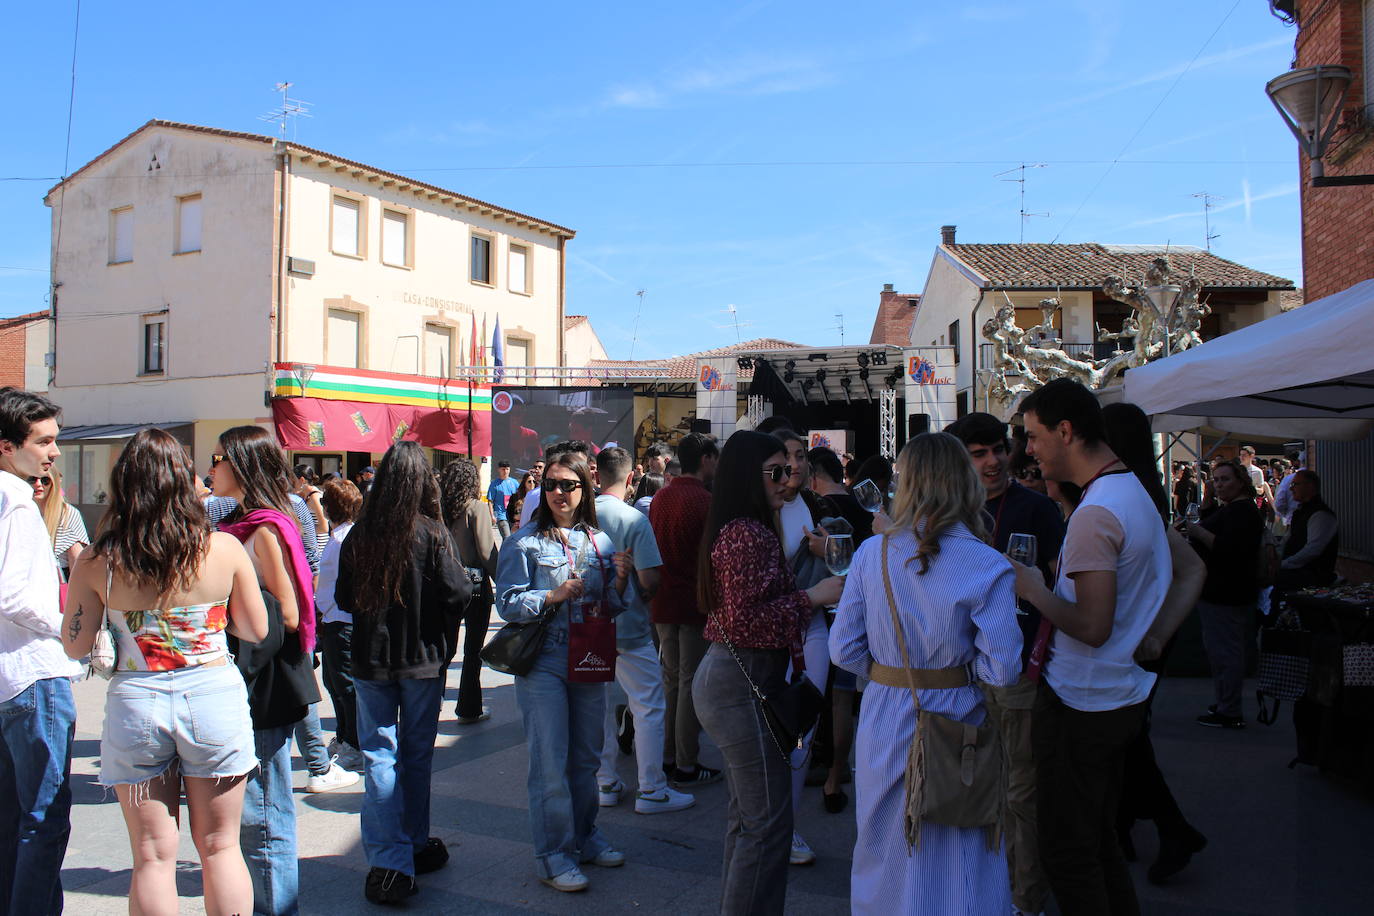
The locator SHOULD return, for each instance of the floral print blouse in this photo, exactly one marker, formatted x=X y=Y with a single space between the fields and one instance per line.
x=758 y=603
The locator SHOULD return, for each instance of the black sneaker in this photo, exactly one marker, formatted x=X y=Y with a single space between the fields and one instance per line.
x=690 y=779
x=431 y=857
x=387 y=886
x=1217 y=720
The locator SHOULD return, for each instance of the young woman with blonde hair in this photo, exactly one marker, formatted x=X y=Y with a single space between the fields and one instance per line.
x=954 y=598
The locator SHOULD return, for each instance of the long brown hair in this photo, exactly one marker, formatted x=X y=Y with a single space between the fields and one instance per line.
x=737 y=493
x=584 y=516
x=260 y=467
x=155 y=531
x=937 y=488
x=381 y=546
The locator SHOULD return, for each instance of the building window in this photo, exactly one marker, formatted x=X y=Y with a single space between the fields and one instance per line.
x=481 y=259
x=517 y=272
x=188 y=224
x=122 y=235
x=954 y=339
x=517 y=351
x=346 y=227
x=344 y=341
x=395 y=238
x=438 y=350
x=153 y=352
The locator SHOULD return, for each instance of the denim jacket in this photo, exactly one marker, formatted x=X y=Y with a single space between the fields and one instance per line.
x=531 y=566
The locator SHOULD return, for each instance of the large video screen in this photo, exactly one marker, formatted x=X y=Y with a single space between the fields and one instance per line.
x=525 y=421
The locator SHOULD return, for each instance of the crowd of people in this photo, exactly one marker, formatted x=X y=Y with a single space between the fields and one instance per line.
x=1004 y=626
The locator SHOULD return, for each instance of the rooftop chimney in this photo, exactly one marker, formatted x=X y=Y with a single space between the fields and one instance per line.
x=947 y=235
x=887 y=287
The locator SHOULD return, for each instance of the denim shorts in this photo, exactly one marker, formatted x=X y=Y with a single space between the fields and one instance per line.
x=197 y=716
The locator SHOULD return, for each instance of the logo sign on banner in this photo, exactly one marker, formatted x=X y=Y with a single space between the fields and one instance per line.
x=922 y=372
x=711 y=379
x=838 y=441
x=502 y=402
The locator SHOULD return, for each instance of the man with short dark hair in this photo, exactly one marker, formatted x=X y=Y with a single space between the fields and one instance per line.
x=37 y=709
x=499 y=492
x=656 y=458
x=678 y=515
x=1014 y=509
x=1114 y=575
x=636 y=668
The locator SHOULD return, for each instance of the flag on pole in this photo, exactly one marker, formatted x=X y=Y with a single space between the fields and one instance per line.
x=498 y=352
x=473 y=347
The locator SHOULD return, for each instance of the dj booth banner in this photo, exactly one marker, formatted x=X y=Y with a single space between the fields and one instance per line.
x=363 y=411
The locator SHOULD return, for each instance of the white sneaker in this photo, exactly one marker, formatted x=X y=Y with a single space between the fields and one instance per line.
x=663 y=801
x=608 y=796
x=801 y=853
x=336 y=777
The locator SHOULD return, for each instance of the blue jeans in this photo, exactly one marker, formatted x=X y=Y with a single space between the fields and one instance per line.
x=36 y=729
x=310 y=740
x=397 y=724
x=563 y=727
x=268 y=830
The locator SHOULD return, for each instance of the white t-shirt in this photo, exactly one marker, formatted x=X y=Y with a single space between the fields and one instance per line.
x=528 y=506
x=325 y=605
x=1256 y=477
x=1116 y=527
x=795 y=519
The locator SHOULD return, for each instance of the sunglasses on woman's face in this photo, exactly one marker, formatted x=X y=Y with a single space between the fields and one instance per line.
x=38 y=481
x=778 y=472
x=562 y=486
x=216 y=459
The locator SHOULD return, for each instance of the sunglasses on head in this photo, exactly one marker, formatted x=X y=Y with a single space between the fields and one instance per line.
x=563 y=486
x=778 y=472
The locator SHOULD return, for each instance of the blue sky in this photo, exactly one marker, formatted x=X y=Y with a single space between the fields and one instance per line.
x=786 y=159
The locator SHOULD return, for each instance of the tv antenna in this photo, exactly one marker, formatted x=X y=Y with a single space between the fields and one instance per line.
x=1207 y=206
x=1021 y=180
x=734 y=320
x=839 y=317
x=288 y=111
x=634 y=336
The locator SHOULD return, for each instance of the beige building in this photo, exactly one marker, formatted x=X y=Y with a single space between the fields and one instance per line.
x=204 y=273
x=968 y=283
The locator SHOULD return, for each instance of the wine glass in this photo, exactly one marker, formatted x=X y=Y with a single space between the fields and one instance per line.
x=839 y=551
x=1193 y=514
x=1021 y=548
x=868 y=495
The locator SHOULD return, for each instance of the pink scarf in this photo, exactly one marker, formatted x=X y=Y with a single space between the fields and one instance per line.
x=296 y=563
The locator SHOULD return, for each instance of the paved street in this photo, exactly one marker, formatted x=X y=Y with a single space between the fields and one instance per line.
x=1282 y=842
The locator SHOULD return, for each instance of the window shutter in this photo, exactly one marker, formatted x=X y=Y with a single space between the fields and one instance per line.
x=345 y=236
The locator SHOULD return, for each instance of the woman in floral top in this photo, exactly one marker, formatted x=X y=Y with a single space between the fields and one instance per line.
x=756 y=617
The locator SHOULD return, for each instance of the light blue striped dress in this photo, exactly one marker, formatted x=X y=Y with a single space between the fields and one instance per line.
x=963 y=609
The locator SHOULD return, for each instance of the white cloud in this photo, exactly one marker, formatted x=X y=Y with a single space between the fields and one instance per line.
x=749 y=76
x=1246 y=201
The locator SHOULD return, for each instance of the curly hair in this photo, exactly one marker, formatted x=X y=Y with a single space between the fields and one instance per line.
x=458 y=486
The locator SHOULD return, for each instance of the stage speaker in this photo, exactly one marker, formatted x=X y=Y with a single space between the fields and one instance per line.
x=701 y=426
x=916 y=424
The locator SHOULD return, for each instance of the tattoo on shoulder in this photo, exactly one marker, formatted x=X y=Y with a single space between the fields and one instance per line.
x=74 y=628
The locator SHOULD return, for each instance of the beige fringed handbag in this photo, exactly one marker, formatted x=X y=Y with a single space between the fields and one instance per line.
x=955 y=773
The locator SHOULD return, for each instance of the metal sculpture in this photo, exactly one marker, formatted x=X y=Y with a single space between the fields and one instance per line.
x=1166 y=317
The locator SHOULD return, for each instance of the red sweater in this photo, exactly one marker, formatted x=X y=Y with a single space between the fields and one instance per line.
x=678 y=515
x=760 y=604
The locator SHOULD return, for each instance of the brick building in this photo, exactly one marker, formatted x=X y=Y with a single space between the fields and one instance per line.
x=896 y=315
x=23 y=346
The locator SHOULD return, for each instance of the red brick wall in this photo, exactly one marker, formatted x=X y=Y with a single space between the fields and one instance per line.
x=894 y=319
x=1337 y=223
x=12 y=352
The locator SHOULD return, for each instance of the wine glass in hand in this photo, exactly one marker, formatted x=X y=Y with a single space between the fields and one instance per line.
x=1193 y=514
x=839 y=551
x=868 y=495
x=1021 y=548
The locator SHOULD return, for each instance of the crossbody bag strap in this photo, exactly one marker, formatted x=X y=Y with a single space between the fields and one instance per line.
x=897 y=627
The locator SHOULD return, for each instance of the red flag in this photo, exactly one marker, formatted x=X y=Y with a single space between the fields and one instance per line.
x=482 y=350
x=472 y=348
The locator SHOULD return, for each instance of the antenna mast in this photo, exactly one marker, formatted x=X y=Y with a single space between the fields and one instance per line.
x=288 y=111
x=1207 y=205
x=1021 y=180
x=634 y=336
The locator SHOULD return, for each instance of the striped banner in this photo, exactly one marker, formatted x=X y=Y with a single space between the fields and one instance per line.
x=363 y=385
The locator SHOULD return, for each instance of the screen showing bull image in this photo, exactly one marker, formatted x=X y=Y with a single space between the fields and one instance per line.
x=525 y=421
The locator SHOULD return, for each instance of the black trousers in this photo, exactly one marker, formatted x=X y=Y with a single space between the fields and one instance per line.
x=476 y=618
x=1080 y=759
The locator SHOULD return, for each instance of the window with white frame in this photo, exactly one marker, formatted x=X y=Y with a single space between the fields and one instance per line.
x=395 y=238
x=122 y=235
x=188 y=223
x=346 y=226
x=344 y=338
x=438 y=350
x=517 y=351
x=153 y=348
x=481 y=259
x=517 y=270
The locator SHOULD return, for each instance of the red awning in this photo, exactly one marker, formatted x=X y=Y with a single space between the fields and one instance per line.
x=358 y=426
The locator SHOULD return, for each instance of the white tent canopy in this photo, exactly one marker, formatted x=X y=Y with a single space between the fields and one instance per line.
x=1308 y=373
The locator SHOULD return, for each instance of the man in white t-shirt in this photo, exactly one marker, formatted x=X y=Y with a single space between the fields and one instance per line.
x=37 y=710
x=1114 y=574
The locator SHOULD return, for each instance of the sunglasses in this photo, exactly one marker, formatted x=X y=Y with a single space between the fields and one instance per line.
x=778 y=472
x=37 y=481
x=216 y=459
x=562 y=486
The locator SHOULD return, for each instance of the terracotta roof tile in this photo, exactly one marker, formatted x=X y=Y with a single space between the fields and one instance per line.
x=1035 y=266
x=572 y=321
x=686 y=366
